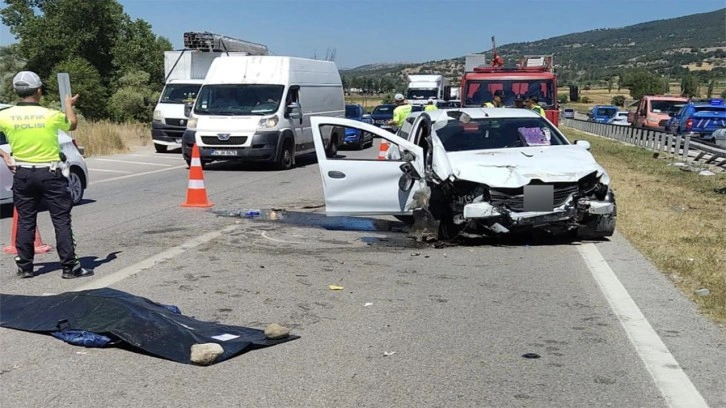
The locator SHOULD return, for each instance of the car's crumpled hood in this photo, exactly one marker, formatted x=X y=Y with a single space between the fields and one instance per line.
x=517 y=167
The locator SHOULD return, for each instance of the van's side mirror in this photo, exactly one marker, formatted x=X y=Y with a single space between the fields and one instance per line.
x=187 y=109
x=294 y=111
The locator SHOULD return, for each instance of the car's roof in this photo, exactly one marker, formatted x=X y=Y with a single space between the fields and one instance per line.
x=665 y=98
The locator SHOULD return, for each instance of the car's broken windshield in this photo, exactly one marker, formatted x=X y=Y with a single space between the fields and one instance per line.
x=238 y=99
x=497 y=133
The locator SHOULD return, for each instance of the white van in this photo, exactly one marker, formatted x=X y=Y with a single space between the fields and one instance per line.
x=258 y=108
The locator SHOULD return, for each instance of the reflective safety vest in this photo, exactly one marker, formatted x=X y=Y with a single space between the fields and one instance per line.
x=430 y=108
x=400 y=113
x=32 y=132
x=489 y=105
x=539 y=110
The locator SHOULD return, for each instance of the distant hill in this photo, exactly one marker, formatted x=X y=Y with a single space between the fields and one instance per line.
x=673 y=46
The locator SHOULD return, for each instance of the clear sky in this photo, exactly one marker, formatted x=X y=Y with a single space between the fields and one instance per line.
x=371 y=31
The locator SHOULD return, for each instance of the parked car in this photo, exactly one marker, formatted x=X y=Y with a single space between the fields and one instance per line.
x=620 y=118
x=568 y=113
x=652 y=110
x=698 y=119
x=356 y=137
x=477 y=173
x=382 y=114
x=602 y=113
x=78 y=179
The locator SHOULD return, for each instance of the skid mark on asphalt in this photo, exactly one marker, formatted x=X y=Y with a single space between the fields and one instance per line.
x=150 y=262
x=668 y=375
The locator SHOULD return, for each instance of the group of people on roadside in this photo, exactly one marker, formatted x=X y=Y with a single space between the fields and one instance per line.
x=403 y=109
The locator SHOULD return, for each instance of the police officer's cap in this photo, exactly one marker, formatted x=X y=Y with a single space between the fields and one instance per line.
x=399 y=97
x=26 y=80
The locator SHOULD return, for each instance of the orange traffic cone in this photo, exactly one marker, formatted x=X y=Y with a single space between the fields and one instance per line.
x=196 y=193
x=383 y=149
x=40 y=247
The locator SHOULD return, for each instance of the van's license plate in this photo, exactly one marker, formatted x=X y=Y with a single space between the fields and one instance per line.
x=224 y=152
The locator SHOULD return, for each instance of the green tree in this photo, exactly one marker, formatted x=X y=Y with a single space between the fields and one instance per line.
x=85 y=81
x=709 y=93
x=562 y=98
x=610 y=85
x=10 y=64
x=723 y=94
x=137 y=48
x=689 y=86
x=618 y=100
x=642 y=82
x=127 y=104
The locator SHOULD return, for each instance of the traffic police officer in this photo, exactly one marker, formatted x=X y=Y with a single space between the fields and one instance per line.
x=36 y=161
x=401 y=111
x=431 y=105
x=496 y=101
x=533 y=104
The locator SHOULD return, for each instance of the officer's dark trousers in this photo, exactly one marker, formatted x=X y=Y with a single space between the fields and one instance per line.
x=31 y=187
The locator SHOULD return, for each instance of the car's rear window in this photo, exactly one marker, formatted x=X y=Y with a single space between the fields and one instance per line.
x=383 y=109
x=716 y=109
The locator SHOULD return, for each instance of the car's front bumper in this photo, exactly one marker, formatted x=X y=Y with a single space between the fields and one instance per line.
x=167 y=135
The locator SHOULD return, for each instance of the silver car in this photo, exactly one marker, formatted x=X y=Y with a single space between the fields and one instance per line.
x=77 y=180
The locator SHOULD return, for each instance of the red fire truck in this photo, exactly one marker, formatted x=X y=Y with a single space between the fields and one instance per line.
x=533 y=76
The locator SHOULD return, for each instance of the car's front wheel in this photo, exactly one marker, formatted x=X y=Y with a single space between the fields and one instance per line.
x=75 y=185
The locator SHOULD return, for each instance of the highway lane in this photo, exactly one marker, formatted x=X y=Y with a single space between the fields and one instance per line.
x=457 y=319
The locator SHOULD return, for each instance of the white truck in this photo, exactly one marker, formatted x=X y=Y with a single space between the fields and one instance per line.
x=185 y=71
x=421 y=88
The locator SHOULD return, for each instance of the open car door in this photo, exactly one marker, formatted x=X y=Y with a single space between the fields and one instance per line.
x=368 y=186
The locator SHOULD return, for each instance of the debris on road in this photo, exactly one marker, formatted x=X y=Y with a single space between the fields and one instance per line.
x=703 y=292
x=389 y=353
x=335 y=287
x=129 y=321
x=706 y=173
x=205 y=354
x=274 y=331
x=530 y=355
x=368 y=304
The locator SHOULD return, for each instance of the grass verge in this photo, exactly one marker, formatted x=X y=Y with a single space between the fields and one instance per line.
x=673 y=217
x=104 y=137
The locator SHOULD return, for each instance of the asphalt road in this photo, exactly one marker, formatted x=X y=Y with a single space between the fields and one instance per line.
x=414 y=325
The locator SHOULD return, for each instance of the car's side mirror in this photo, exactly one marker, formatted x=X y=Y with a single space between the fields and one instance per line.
x=410 y=175
x=583 y=143
x=671 y=114
x=367 y=116
x=408 y=157
x=187 y=109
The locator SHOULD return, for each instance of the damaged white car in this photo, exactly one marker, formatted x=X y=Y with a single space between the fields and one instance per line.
x=475 y=172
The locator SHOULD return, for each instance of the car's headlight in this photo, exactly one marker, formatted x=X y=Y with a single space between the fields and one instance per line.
x=270 y=122
x=192 y=122
x=158 y=116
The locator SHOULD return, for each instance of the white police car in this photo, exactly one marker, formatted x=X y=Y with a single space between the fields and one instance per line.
x=78 y=179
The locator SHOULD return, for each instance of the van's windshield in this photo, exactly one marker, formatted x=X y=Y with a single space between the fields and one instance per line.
x=238 y=99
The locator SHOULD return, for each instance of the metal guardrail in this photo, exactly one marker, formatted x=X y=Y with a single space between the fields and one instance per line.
x=680 y=146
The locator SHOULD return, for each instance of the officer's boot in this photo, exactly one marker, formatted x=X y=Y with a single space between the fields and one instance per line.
x=24 y=273
x=76 y=272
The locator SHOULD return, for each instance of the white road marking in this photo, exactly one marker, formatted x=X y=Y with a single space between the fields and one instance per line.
x=147 y=263
x=110 y=171
x=133 y=162
x=135 y=175
x=264 y=235
x=152 y=156
x=669 y=377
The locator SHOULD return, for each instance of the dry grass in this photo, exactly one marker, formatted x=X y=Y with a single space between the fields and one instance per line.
x=368 y=102
x=102 y=138
x=671 y=216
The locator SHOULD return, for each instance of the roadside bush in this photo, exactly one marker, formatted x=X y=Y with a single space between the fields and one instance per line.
x=723 y=94
x=85 y=81
x=127 y=104
x=585 y=99
x=562 y=98
x=618 y=100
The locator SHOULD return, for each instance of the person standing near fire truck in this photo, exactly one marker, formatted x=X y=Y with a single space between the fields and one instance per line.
x=533 y=104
